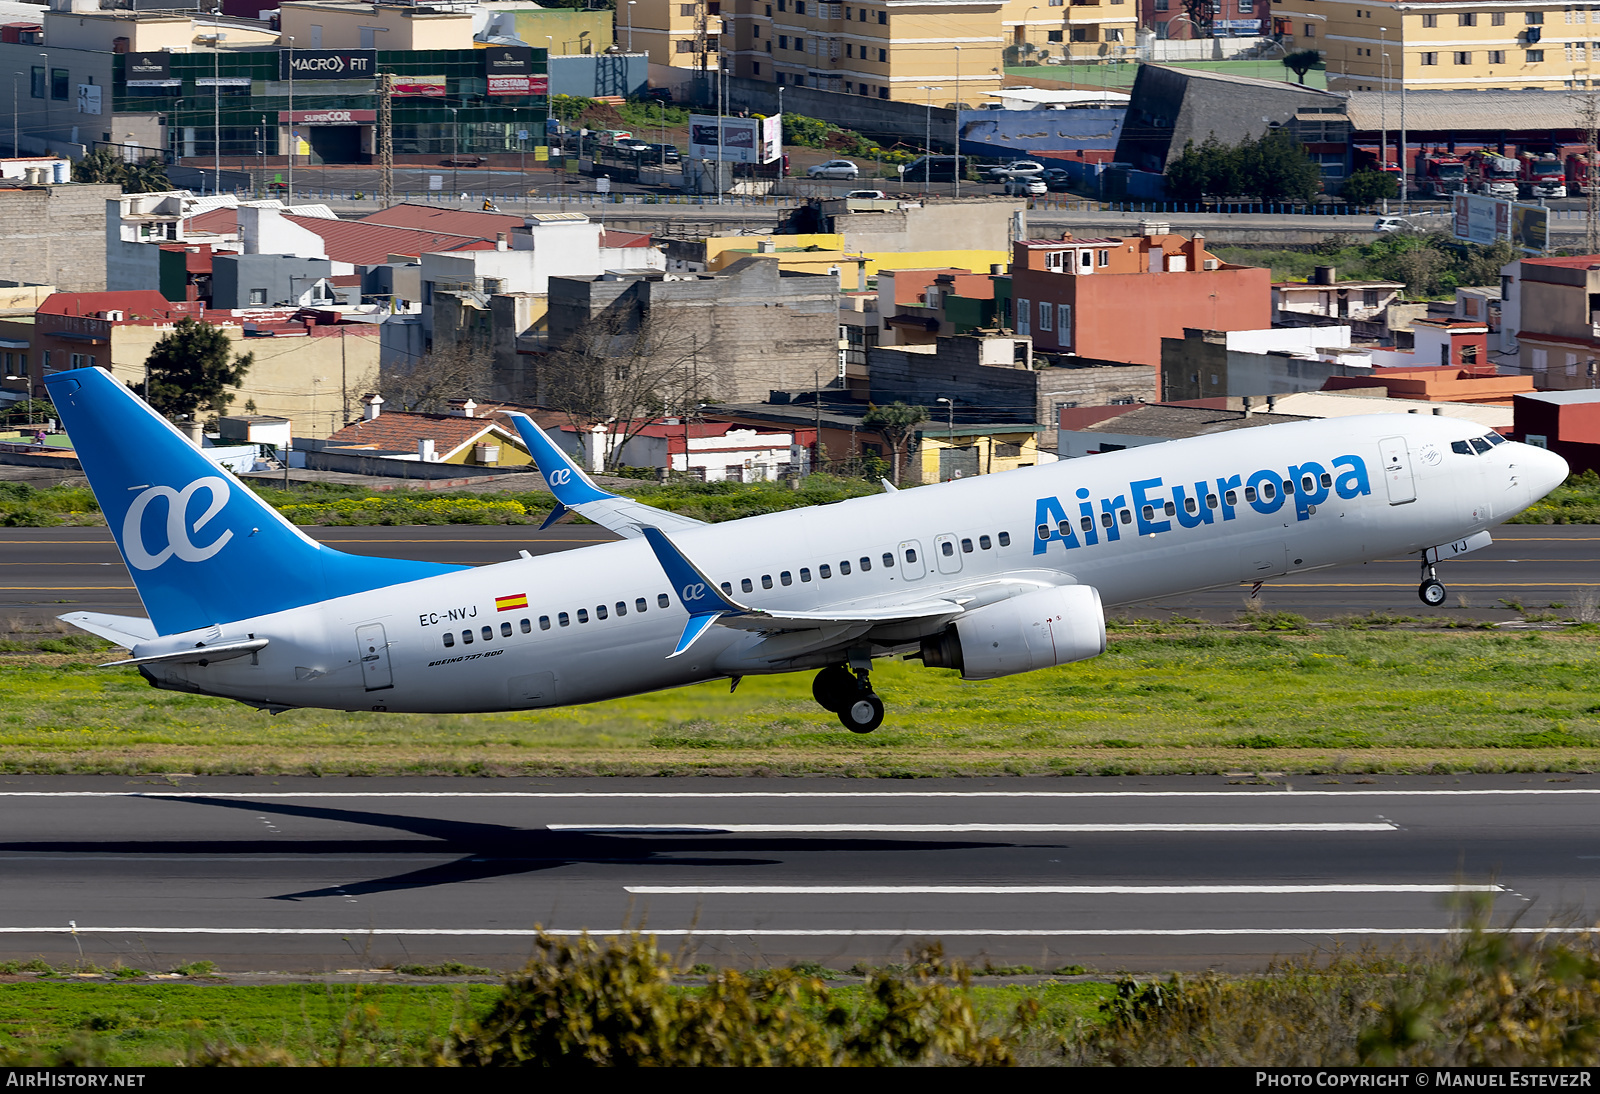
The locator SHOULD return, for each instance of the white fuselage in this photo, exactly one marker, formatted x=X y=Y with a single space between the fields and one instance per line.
x=975 y=541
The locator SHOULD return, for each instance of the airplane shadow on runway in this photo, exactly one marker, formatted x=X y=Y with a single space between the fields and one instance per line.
x=488 y=850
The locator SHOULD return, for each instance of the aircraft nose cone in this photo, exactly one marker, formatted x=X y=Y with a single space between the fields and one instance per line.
x=1544 y=468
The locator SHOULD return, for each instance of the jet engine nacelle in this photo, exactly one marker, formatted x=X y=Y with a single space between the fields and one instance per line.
x=1033 y=631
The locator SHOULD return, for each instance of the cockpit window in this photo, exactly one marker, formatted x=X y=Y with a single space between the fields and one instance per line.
x=1494 y=438
x=1481 y=445
x=1461 y=447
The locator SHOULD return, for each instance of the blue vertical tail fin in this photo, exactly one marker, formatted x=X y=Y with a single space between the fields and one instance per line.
x=201 y=546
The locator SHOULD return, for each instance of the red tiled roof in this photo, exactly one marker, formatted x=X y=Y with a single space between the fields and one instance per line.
x=361 y=242
x=461 y=222
x=135 y=303
x=219 y=221
x=1571 y=262
x=625 y=239
x=400 y=432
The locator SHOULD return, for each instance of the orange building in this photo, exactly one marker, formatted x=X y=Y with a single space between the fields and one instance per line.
x=1116 y=298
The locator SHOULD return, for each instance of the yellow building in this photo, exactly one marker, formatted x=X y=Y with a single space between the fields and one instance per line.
x=325 y=24
x=915 y=52
x=825 y=253
x=1477 y=45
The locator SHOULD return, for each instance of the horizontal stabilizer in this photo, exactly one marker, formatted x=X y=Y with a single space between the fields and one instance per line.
x=576 y=492
x=124 y=630
x=196 y=655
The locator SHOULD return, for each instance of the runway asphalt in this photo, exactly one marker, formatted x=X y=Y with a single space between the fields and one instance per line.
x=47 y=571
x=1140 y=873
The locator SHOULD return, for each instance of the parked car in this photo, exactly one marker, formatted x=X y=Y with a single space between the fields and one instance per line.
x=1023 y=187
x=1057 y=179
x=664 y=153
x=833 y=169
x=871 y=195
x=464 y=160
x=1017 y=169
x=933 y=169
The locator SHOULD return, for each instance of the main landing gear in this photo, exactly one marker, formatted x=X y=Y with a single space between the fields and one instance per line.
x=1432 y=589
x=850 y=696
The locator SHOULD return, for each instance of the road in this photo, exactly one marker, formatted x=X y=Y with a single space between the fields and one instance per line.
x=47 y=571
x=1152 y=873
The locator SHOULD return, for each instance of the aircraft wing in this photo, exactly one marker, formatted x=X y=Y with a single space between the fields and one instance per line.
x=707 y=604
x=576 y=492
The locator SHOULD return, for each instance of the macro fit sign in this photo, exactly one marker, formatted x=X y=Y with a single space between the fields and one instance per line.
x=327 y=64
x=149 y=70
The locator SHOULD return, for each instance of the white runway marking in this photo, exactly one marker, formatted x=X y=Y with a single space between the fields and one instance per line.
x=788 y=794
x=1046 y=890
x=958 y=829
x=865 y=932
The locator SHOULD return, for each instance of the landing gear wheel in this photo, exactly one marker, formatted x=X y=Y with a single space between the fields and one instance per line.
x=863 y=714
x=1432 y=592
x=834 y=687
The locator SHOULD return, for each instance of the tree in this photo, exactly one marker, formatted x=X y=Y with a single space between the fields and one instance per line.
x=190 y=368
x=1273 y=168
x=623 y=369
x=1369 y=187
x=108 y=165
x=1201 y=15
x=1212 y=169
x=427 y=384
x=894 y=423
x=1302 y=62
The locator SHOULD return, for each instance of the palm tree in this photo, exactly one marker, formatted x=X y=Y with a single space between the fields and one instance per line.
x=894 y=423
x=1302 y=62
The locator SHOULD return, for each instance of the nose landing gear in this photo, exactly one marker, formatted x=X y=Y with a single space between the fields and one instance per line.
x=1431 y=590
x=850 y=696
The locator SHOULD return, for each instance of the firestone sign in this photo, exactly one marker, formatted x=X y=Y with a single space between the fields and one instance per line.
x=328 y=117
x=327 y=64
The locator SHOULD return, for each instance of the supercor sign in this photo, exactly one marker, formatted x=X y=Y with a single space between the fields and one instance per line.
x=328 y=117
x=327 y=64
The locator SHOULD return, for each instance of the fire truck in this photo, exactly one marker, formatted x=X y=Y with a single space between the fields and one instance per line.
x=1440 y=174
x=1578 y=172
x=1542 y=175
x=1493 y=175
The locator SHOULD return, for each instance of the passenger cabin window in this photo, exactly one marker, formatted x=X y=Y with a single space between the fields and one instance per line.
x=805 y=573
x=544 y=622
x=1044 y=531
x=947 y=549
x=640 y=605
x=911 y=554
x=966 y=546
x=1149 y=512
x=505 y=630
x=466 y=638
x=488 y=634
x=786 y=577
x=622 y=608
x=1308 y=484
x=745 y=585
x=1125 y=515
x=844 y=567
x=566 y=620
x=766 y=581
x=1192 y=506
x=1170 y=509
x=1105 y=519
x=984 y=542
x=449 y=639
x=727 y=589
x=1268 y=491
x=825 y=571
x=662 y=601
x=527 y=626
x=1005 y=539
x=888 y=560
x=600 y=611
x=583 y=615
x=1086 y=523
x=1288 y=487
x=1327 y=480
x=1231 y=495
x=1249 y=493
x=866 y=563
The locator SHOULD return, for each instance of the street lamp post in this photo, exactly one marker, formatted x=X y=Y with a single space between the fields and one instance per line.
x=294 y=138
x=927 y=140
x=631 y=4
x=1383 y=99
x=455 y=153
x=958 y=122
x=217 y=38
x=15 y=149
x=1025 y=15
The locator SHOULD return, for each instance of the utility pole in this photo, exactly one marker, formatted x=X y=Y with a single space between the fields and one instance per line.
x=294 y=134
x=386 y=141
x=1589 y=116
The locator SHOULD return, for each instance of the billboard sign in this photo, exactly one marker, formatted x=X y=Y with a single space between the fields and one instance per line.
x=327 y=64
x=328 y=117
x=1530 y=228
x=88 y=98
x=149 y=70
x=1475 y=219
x=1484 y=220
x=744 y=140
x=508 y=61
x=419 y=87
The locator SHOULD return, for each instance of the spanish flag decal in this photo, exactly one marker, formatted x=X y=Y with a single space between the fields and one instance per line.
x=510 y=603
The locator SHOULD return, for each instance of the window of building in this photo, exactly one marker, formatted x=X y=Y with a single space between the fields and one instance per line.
x=1046 y=311
x=1533 y=18
x=1024 y=316
x=1467 y=19
x=58 y=84
x=783 y=41
x=1463 y=58
x=1497 y=19
x=1497 y=56
x=1163 y=5
x=1534 y=56
x=883 y=18
x=1053 y=35
x=848 y=52
x=883 y=55
x=1430 y=58
x=1081 y=34
x=36 y=85
x=684 y=46
x=258 y=297
x=1247 y=7
x=883 y=93
x=1427 y=20
x=1311 y=30
x=755 y=68
x=1064 y=325
x=687 y=10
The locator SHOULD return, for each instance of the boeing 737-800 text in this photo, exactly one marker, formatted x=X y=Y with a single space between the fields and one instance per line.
x=988 y=576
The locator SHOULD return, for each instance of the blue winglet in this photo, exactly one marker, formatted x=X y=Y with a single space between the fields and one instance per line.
x=566 y=479
x=555 y=514
x=696 y=592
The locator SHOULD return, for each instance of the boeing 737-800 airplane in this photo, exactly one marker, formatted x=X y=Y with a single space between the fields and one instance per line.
x=989 y=576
